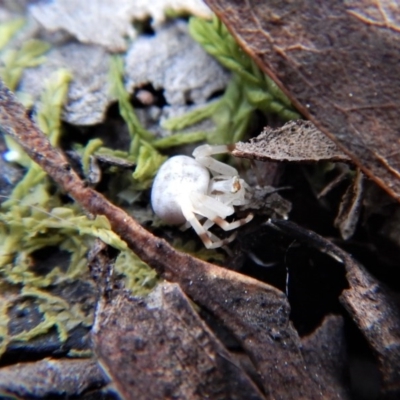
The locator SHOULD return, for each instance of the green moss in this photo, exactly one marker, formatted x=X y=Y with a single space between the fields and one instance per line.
x=75 y=353
x=139 y=278
x=249 y=90
x=89 y=150
x=146 y=157
x=36 y=217
x=33 y=219
x=191 y=247
x=9 y=29
x=179 y=139
x=192 y=117
x=31 y=54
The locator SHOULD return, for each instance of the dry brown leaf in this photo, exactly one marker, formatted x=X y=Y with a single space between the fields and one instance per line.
x=295 y=141
x=350 y=207
x=326 y=356
x=339 y=64
x=372 y=306
x=376 y=311
x=158 y=347
x=51 y=379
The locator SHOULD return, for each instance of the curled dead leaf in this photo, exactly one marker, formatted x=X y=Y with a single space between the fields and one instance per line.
x=158 y=348
x=295 y=141
x=372 y=306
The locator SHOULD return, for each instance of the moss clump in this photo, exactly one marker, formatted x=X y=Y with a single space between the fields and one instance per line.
x=249 y=90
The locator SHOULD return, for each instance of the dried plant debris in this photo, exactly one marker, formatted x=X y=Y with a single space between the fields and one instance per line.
x=343 y=172
x=89 y=93
x=151 y=328
x=106 y=23
x=158 y=347
x=173 y=61
x=391 y=227
x=301 y=141
x=267 y=201
x=372 y=306
x=295 y=141
x=255 y=313
x=51 y=379
x=350 y=207
x=325 y=354
x=376 y=311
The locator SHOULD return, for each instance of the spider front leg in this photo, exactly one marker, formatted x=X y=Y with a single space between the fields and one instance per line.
x=203 y=154
x=205 y=236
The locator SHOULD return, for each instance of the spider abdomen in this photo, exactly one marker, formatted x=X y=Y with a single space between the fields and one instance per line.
x=177 y=178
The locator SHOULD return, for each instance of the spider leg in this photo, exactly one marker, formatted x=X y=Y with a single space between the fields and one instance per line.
x=209 y=207
x=208 y=224
x=208 y=150
x=202 y=155
x=216 y=212
x=216 y=166
x=227 y=226
x=210 y=240
x=229 y=239
x=231 y=225
x=186 y=225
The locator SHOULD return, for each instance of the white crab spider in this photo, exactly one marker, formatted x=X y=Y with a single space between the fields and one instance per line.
x=184 y=193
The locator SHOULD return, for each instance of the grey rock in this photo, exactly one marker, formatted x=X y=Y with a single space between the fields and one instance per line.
x=89 y=94
x=173 y=61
